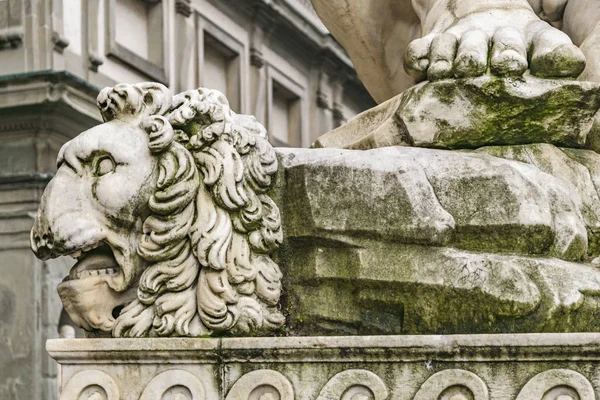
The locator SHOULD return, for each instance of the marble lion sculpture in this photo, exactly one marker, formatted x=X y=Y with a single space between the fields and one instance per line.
x=438 y=39
x=164 y=208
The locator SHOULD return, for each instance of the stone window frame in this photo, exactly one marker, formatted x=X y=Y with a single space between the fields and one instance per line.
x=276 y=77
x=226 y=44
x=156 y=71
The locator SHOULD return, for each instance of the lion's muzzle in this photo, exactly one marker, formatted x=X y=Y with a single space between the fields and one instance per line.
x=65 y=222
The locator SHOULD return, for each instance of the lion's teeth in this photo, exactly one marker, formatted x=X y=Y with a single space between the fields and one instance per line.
x=76 y=255
x=92 y=272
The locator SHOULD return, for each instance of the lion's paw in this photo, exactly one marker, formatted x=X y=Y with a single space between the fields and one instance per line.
x=493 y=41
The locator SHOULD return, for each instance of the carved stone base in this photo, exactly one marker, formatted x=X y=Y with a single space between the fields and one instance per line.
x=475 y=367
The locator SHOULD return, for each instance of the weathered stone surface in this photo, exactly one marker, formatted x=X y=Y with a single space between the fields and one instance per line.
x=470 y=113
x=409 y=240
x=577 y=169
x=408 y=195
x=398 y=193
x=477 y=367
x=385 y=288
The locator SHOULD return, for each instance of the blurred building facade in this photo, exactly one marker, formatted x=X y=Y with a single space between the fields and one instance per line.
x=272 y=58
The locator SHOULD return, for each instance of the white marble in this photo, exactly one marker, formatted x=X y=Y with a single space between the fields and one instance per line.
x=395 y=43
x=477 y=367
x=164 y=208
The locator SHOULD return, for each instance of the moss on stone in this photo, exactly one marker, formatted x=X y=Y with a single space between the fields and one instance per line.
x=499 y=117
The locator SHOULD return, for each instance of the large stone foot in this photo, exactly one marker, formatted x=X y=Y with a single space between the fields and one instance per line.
x=505 y=38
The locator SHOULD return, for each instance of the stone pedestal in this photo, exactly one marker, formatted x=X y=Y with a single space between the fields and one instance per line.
x=475 y=367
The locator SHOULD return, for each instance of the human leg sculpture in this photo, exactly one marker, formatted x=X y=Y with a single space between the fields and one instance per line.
x=438 y=39
x=581 y=22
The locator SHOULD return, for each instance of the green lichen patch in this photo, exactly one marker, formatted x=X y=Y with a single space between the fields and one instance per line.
x=470 y=113
x=474 y=112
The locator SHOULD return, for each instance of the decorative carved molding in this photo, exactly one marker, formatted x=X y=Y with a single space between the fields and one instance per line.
x=60 y=42
x=399 y=367
x=354 y=384
x=454 y=384
x=174 y=384
x=264 y=24
x=183 y=7
x=322 y=98
x=322 y=101
x=262 y=384
x=351 y=384
x=558 y=384
x=11 y=38
x=95 y=61
x=256 y=58
x=48 y=103
x=91 y=385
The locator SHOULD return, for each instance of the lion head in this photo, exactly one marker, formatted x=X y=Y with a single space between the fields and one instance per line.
x=165 y=208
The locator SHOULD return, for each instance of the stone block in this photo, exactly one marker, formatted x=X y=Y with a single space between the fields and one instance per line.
x=383 y=288
x=403 y=240
x=408 y=195
x=475 y=112
x=335 y=193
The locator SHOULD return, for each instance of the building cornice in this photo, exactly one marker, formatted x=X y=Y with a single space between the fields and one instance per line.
x=303 y=25
x=48 y=88
x=49 y=76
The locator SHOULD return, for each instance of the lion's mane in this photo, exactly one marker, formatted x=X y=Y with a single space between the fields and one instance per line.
x=212 y=225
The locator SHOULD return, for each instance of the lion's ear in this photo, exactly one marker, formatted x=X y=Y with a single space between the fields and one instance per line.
x=160 y=133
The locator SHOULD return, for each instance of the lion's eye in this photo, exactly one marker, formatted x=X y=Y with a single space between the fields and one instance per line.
x=104 y=166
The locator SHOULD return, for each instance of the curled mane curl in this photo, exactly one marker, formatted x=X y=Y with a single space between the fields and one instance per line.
x=212 y=225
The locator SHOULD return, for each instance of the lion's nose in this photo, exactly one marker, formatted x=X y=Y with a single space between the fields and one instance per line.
x=42 y=243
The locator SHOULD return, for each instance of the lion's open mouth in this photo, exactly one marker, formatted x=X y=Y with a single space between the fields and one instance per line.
x=92 y=261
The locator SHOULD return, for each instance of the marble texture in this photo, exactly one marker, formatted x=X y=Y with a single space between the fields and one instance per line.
x=422 y=241
x=474 y=112
x=396 y=43
x=477 y=367
x=164 y=208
